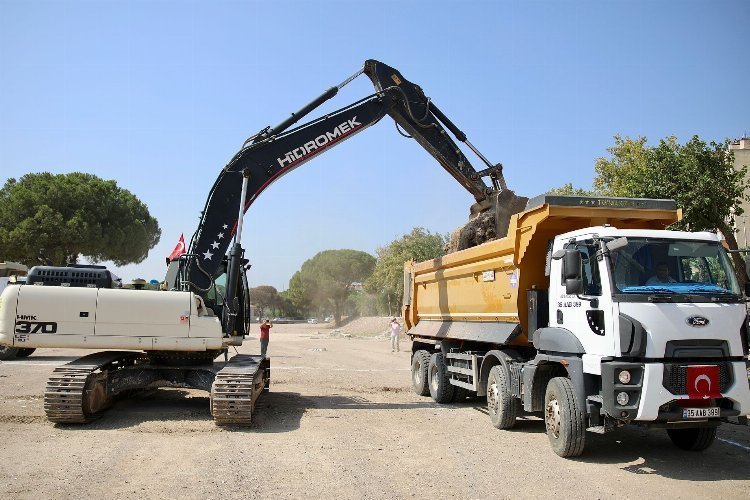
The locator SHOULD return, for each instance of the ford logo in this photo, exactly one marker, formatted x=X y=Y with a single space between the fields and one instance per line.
x=697 y=321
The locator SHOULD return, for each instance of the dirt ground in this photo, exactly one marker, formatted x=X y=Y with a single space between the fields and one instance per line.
x=340 y=422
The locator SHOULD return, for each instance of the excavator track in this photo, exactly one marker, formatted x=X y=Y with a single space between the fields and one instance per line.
x=236 y=388
x=77 y=391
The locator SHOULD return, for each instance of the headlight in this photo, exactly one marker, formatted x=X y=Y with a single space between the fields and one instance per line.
x=622 y=398
x=624 y=377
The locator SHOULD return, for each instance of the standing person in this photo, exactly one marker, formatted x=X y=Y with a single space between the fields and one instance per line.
x=265 y=330
x=395 y=330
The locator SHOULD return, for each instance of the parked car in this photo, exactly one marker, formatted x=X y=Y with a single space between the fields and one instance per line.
x=312 y=321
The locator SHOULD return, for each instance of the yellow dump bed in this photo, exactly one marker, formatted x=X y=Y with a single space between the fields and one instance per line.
x=479 y=294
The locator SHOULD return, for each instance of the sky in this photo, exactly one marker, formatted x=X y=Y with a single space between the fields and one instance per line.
x=160 y=95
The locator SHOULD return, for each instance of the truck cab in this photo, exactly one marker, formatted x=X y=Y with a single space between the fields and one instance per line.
x=660 y=319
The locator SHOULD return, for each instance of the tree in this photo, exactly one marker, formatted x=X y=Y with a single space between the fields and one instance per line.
x=64 y=216
x=700 y=177
x=296 y=294
x=264 y=297
x=569 y=190
x=327 y=278
x=387 y=279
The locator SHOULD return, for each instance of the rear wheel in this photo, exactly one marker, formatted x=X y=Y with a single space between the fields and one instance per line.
x=564 y=418
x=440 y=389
x=694 y=439
x=8 y=353
x=25 y=352
x=502 y=406
x=419 y=379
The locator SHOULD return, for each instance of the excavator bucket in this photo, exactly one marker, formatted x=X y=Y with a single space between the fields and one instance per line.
x=489 y=220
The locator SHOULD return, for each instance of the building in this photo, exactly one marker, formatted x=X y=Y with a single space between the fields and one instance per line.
x=741 y=149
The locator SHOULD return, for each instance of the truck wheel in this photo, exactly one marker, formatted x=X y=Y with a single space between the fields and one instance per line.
x=419 y=380
x=25 y=352
x=501 y=404
x=694 y=439
x=564 y=419
x=8 y=353
x=440 y=389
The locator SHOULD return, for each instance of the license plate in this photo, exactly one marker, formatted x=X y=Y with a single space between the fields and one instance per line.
x=700 y=412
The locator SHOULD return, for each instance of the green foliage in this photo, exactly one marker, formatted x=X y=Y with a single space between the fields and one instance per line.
x=700 y=177
x=387 y=279
x=68 y=215
x=366 y=304
x=295 y=294
x=623 y=175
x=326 y=279
x=264 y=298
x=569 y=190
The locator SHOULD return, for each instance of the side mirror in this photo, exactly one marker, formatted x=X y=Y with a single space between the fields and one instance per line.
x=572 y=264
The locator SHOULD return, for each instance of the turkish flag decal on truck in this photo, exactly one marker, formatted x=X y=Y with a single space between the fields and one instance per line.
x=703 y=382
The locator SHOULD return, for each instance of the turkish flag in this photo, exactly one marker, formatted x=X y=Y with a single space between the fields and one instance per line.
x=178 y=250
x=703 y=382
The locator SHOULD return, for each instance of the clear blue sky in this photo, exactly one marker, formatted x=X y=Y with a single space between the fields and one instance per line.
x=160 y=95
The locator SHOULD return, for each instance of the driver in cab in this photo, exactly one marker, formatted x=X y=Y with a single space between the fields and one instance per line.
x=662 y=275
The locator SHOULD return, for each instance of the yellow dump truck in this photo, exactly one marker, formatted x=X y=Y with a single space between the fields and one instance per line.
x=590 y=313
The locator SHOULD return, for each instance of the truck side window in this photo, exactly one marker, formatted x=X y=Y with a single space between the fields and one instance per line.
x=592 y=284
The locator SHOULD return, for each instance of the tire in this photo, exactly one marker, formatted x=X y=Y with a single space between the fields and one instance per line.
x=693 y=439
x=501 y=405
x=420 y=362
x=563 y=418
x=25 y=352
x=440 y=389
x=8 y=353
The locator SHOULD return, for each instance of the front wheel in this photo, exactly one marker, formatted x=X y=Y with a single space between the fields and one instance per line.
x=694 y=439
x=7 y=353
x=564 y=419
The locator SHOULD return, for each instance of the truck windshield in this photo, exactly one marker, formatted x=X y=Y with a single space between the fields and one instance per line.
x=673 y=267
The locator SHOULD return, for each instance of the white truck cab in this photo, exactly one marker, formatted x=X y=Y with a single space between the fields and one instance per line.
x=659 y=316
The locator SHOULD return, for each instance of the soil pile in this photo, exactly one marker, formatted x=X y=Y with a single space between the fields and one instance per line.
x=489 y=221
x=368 y=326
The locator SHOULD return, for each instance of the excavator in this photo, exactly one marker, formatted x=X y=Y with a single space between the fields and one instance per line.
x=176 y=337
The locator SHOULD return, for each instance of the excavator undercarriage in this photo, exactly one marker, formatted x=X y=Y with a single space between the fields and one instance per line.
x=79 y=391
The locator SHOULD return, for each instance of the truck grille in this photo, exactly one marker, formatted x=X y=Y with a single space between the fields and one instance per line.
x=675 y=377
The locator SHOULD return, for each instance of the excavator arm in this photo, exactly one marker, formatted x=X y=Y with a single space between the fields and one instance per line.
x=276 y=151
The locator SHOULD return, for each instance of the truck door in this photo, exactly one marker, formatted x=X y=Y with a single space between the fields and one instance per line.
x=588 y=315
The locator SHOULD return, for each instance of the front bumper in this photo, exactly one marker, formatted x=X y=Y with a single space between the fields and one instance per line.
x=651 y=400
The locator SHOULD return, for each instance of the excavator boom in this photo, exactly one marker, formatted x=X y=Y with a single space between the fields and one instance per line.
x=276 y=151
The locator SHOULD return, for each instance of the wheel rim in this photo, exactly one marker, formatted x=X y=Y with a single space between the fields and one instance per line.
x=434 y=379
x=417 y=375
x=492 y=398
x=552 y=418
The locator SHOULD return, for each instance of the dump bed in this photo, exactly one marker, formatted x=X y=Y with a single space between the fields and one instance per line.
x=480 y=294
